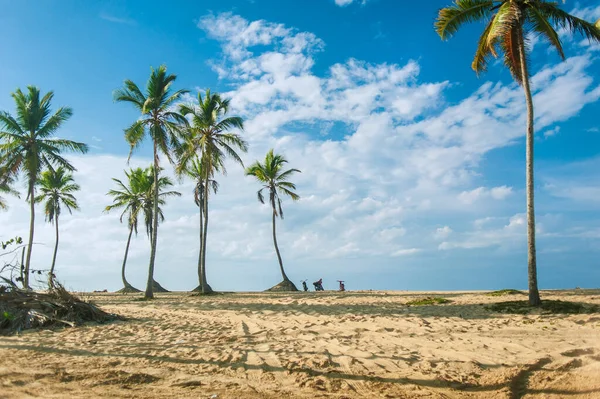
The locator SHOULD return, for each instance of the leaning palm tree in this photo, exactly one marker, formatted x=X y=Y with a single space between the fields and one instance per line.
x=162 y=125
x=208 y=138
x=28 y=145
x=271 y=175
x=135 y=197
x=196 y=171
x=57 y=188
x=509 y=24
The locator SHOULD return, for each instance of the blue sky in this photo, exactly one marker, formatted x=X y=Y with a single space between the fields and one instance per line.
x=413 y=167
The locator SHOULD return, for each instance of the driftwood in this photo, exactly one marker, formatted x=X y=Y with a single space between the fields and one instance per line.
x=25 y=309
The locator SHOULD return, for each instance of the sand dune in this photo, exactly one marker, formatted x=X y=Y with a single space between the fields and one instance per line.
x=326 y=345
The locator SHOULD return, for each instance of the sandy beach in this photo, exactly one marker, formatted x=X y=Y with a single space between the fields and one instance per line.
x=308 y=345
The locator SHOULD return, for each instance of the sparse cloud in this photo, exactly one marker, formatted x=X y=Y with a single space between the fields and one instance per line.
x=117 y=20
x=344 y=3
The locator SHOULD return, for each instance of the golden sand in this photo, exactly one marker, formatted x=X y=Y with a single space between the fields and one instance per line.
x=310 y=345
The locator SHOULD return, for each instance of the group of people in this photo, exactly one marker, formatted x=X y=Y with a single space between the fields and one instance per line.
x=319 y=285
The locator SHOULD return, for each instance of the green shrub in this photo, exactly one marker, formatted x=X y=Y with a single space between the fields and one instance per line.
x=430 y=300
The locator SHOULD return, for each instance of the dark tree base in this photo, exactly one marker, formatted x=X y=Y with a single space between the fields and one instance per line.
x=208 y=289
x=128 y=290
x=156 y=287
x=284 y=286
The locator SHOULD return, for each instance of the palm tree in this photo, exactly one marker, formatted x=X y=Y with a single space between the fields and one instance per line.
x=57 y=188
x=509 y=24
x=275 y=181
x=208 y=139
x=162 y=125
x=28 y=146
x=134 y=197
x=196 y=171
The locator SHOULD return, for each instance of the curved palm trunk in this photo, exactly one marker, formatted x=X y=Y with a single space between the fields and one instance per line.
x=205 y=288
x=31 y=228
x=51 y=273
x=149 y=294
x=534 y=295
x=285 y=277
x=126 y=284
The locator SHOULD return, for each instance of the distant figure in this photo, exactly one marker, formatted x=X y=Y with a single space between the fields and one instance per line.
x=304 y=285
x=319 y=285
x=342 y=286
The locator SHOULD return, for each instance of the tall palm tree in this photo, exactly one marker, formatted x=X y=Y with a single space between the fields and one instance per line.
x=57 y=187
x=28 y=145
x=208 y=138
x=508 y=25
x=137 y=196
x=162 y=125
x=196 y=171
x=271 y=175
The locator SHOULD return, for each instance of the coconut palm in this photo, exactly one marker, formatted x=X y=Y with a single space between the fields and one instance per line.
x=196 y=171
x=57 y=187
x=509 y=23
x=134 y=197
x=208 y=138
x=158 y=121
x=28 y=145
x=275 y=181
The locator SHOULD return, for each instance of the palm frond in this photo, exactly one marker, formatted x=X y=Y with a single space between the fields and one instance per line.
x=542 y=26
x=563 y=19
x=450 y=19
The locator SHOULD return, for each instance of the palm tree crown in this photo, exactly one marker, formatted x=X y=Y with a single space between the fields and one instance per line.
x=274 y=179
x=28 y=139
x=195 y=170
x=57 y=188
x=136 y=195
x=209 y=133
x=158 y=119
x=508 y=22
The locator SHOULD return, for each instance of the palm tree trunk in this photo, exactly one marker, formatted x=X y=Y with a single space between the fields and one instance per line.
x=285 y=277
x=201 y=210
x=31 y=228
x=205 y=287
x=51 y=273
x=125 y=282
x=534 y=295
x=22 y=262
x=149 y=284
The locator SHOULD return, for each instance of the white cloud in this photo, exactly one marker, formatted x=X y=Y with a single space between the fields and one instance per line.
x=551 y=132
x=442 y=233
x=497 y=193
x=344 y=3
x=117 y=20
x=404 y=252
